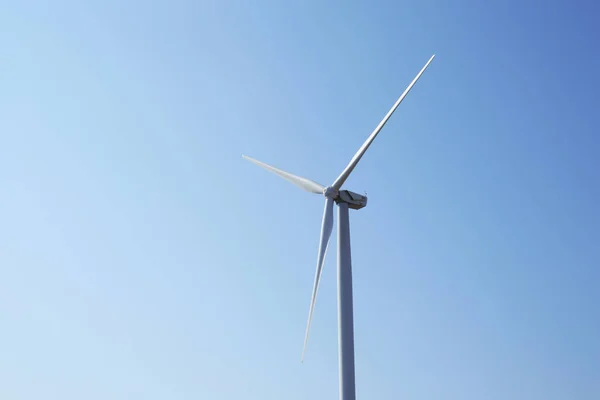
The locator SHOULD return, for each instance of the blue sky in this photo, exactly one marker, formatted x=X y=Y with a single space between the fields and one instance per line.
x=142 y=258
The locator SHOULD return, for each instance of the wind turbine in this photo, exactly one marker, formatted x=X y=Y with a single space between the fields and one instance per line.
x=345 y=200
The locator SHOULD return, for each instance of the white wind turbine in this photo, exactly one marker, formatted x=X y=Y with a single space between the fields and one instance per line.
x=345 y=200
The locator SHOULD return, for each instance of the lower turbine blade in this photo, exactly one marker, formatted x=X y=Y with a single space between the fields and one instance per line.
x=326 y=229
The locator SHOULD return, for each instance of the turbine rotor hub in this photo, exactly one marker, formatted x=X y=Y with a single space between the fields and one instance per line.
x=330 y=192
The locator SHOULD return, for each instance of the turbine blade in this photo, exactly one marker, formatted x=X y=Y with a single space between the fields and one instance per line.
x=326 y=227
x=306 y=184
x=344 y=175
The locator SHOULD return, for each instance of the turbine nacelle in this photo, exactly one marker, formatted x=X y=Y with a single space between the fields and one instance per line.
x=355 y=201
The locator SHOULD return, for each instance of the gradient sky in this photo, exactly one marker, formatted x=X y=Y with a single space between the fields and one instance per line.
x=142 y=258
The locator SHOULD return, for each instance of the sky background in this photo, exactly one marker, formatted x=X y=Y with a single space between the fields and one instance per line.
x=142 y=258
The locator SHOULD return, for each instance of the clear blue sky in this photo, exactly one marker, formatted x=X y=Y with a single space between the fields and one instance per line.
x=142 y=258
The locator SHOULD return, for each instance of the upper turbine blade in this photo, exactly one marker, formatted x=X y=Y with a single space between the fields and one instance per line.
x=326 y=228
x=303 y=183
x=344 y=175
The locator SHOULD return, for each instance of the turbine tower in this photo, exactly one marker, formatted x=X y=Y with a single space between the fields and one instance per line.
x=345 y=200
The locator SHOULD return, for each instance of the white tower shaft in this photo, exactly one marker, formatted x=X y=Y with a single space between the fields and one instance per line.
x=345 y=306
